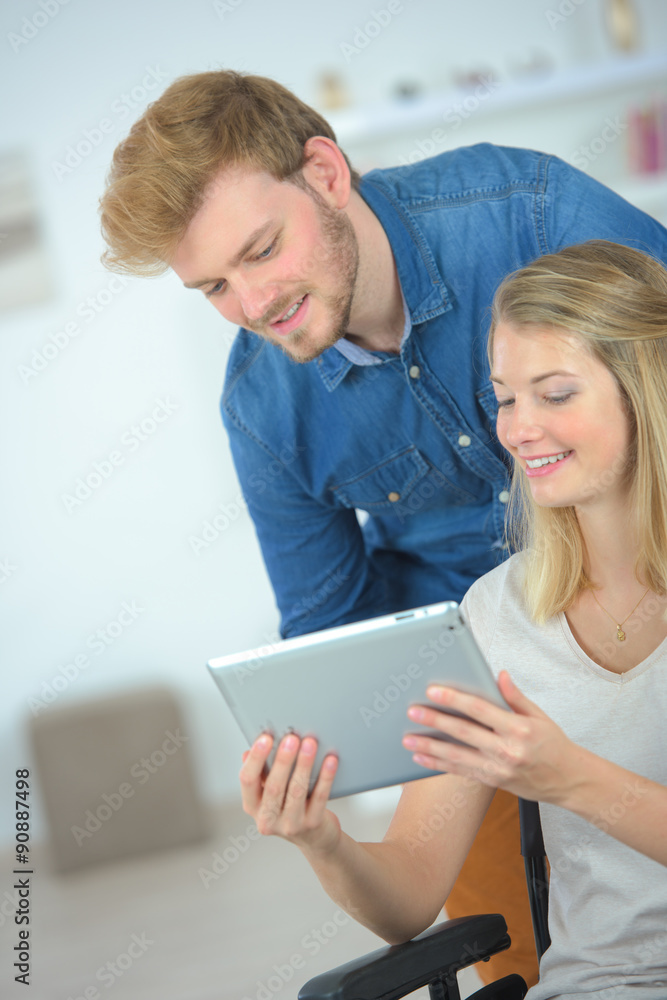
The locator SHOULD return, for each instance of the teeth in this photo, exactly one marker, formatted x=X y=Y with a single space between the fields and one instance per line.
x=536 y=463
x=290 y=312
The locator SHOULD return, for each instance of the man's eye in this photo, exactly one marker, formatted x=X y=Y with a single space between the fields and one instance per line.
x=216 y=288
x=265 y=253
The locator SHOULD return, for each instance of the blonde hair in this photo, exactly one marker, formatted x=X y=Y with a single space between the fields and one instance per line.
x=613 y=299
x=200 y=125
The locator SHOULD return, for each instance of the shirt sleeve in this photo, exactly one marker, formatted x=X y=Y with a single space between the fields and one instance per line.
x=314 y=552
x=480 y=607
x=578 y=208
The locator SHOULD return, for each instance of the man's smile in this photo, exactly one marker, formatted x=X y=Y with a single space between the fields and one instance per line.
x=291 y=318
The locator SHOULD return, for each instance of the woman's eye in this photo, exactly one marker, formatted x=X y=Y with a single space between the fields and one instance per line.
x=504 y=403
x=563 y=398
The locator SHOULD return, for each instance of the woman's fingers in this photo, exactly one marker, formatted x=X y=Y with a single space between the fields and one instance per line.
x=299 y=783
x=520 y=749
x=303 y=811
x=439 y=755
x=319 y=798
x=483 y=720
x=462 y=729
x=279 y=800
x=479 y=709
x=493 y=737
x=275 y=784
x=516 y=699
x=252 y=773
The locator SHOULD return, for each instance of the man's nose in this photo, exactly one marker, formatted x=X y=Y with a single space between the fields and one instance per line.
x=256 y=299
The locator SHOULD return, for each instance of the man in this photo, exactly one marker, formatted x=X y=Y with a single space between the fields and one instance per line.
x=358 y=381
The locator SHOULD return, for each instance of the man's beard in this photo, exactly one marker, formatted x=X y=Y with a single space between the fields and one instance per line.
x=338 y=255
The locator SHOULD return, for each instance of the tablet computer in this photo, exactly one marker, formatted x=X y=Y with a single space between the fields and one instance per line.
x=350 y=687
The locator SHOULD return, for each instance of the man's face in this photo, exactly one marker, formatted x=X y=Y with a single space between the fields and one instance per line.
x=273 y=258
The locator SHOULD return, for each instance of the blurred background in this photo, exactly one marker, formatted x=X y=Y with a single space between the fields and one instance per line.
x=127 y=558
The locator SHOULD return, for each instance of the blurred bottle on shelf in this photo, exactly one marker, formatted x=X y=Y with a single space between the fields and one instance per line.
x=647 y=137
x=623 y=24
x=331 y=91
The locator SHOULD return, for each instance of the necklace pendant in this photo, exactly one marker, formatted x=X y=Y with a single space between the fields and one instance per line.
x=620 y=634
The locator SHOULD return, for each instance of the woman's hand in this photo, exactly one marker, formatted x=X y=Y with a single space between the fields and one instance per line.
x=522 y=751
x=278 y=801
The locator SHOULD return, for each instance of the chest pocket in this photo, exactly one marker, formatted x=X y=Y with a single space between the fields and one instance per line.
x=403 y=481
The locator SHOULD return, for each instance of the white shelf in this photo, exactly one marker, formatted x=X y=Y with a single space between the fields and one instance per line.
x=642 y=187
x=646 y=191
x=386 y=118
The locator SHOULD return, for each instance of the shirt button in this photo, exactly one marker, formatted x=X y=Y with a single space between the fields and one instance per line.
x=394 y=497
x=503 y=496
x=464 y=440
x=414 y=372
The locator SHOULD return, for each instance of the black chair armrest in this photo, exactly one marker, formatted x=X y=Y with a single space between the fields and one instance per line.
x=395 y=970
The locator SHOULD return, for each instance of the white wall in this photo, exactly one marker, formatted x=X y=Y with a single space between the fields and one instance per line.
x=68 y=573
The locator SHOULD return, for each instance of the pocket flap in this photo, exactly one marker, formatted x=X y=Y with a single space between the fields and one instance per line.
x=385 y=484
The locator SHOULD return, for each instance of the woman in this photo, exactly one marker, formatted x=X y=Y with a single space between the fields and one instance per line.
x=578 y=352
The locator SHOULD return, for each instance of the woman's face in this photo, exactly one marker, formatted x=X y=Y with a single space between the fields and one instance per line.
x=561 y=415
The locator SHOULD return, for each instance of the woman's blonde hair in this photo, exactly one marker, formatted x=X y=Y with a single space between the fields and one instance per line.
x=200 y=125
x=613 y=299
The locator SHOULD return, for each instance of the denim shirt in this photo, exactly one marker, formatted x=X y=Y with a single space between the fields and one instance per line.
x=408 y=439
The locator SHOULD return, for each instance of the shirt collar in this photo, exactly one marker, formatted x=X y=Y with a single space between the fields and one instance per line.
x=359 y=355
x=424 y=292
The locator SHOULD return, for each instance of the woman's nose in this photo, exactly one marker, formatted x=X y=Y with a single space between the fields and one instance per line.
x=522 y=426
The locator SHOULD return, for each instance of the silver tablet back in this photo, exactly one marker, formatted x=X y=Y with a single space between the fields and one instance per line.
x=351 y=686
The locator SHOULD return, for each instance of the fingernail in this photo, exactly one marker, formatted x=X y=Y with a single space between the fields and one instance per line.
x=263 y=742
x=308 y=747
x=290 y=743
x=409 y=742
x=416 y=713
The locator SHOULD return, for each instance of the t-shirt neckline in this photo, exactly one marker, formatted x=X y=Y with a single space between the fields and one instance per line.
x=601 y=671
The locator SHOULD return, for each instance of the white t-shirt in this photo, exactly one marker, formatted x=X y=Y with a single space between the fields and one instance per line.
x=607 y=902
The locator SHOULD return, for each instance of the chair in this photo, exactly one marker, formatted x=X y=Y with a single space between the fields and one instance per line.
x=433 y=958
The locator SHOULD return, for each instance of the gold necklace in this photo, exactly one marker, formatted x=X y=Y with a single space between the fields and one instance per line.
x=620 y=634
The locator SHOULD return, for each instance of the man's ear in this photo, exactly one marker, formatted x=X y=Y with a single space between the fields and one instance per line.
x=326 y=170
